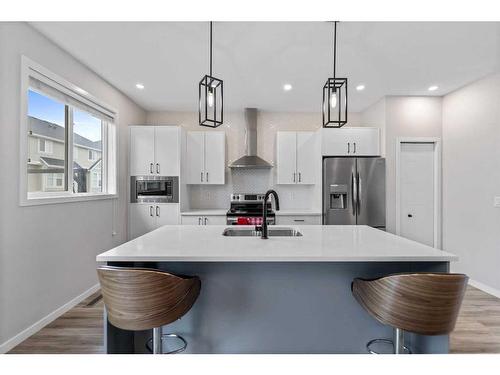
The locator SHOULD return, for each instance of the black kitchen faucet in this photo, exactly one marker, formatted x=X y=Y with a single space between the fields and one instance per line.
x=264 y=211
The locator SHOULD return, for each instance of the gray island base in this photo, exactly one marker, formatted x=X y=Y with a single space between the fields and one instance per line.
x=281 y=295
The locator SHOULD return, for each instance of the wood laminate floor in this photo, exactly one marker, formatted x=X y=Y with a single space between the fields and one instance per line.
x=80 y=330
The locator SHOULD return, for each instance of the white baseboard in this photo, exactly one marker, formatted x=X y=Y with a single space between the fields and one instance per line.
x=485 y=288
x=23 y=335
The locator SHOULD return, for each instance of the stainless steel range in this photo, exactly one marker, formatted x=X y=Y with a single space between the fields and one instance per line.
x=247 y=209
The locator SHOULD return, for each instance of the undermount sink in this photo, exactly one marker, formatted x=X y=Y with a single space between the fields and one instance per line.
x=271 y=232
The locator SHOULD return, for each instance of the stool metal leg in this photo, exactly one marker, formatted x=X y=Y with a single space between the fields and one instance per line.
x=157 y=347
x=398 y=340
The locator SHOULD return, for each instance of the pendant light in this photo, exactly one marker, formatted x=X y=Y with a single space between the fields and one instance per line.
x=210 y=94
x=334 y=105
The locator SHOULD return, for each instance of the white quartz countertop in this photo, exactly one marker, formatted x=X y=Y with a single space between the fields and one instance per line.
x=205 y=212
x=332 y=243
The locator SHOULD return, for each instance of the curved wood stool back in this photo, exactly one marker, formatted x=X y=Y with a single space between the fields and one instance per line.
x=140 y=298
x=422 y=303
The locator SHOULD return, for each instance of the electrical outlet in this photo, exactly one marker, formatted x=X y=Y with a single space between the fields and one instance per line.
x=496 y=202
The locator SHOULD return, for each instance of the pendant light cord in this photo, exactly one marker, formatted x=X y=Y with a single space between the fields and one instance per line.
x=210 y=48
x=334 y=48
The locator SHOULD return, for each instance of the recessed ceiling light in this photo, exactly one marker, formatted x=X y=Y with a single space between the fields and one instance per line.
x=360 y=87
x=287 y=87
x=140 y=86
x=433 y=88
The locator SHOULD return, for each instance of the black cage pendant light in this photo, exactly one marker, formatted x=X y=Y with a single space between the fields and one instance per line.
x=210 y=92
x=335 y=94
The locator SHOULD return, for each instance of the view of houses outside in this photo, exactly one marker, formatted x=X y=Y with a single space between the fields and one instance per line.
x=47 y=147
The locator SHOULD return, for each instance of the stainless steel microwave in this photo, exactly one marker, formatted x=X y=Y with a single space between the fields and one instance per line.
x=154 y=189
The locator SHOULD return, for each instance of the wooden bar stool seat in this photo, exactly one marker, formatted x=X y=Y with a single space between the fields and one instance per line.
x=139 y=299
x=421 y=303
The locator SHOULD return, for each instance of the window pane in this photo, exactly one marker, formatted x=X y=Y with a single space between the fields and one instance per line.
x=46 y=143
x=87 y=162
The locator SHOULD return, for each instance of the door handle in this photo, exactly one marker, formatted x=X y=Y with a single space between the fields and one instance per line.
x=207 y=176
x=157 y=168
x=199 y=221
x=206 y=219
x=201 y=176
x=358 y=198
x=300 y=177
x=348 y=147
x=354 y=193
x=294 y=176
x=150 y=210
x=157 y=210
x=354 y=147
x=150 y=167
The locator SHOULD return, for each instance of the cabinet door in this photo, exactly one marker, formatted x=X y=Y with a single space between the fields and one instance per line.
x=214 y=220
x=195 y=150
x=142 y=146
x=365 y=141
x=142 y=219
x=167 y=160
x=192 y=220
x=335 y=142
x=306 y=158
x=167 y=214
x=298 y=220
x=286 y=157
x=215 y=157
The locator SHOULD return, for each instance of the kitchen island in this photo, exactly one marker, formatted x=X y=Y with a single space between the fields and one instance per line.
x=280 y=295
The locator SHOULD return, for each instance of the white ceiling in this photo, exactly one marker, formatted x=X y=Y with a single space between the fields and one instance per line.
x=255 y=59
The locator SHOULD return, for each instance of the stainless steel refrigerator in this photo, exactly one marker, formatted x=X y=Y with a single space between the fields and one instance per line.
x=354 y=191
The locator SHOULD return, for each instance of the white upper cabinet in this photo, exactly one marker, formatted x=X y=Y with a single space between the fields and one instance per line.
x=295 y=157
x=205 y=157
x=350 y=141
x=154 y=150
x=142 y=150
x=167 y=155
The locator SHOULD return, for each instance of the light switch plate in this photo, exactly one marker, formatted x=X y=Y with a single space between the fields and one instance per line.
x=496 y=202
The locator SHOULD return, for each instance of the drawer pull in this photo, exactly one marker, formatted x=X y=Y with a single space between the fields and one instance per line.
x=298 y=220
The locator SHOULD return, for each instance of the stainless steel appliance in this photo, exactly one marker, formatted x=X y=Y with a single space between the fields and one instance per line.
x=247 y=209
x=354 y=191
x=154 y=189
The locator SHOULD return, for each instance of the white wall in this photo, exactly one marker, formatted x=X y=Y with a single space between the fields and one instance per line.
x=268 y=123
x=471 y=179
x=404 y=116
x=47 y=252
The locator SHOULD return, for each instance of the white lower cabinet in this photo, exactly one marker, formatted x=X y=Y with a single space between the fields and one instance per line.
x=144 y=218
x=298 y=219
x=203 y=220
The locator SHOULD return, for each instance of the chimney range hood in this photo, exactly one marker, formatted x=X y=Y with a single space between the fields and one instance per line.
x=250 y=160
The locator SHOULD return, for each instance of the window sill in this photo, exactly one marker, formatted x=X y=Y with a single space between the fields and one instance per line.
x=35 y=199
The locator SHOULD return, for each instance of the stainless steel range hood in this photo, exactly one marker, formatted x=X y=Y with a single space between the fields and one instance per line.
x=250 y=160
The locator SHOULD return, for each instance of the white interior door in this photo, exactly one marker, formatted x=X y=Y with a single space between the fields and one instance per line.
x=195 y=159
x=306 y=158
x=215 y=157
x=142 y=149
x=167 y=151
x=416 y=181
x=286 y=157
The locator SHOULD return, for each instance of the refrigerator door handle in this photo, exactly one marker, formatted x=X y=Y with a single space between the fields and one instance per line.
x=358 y=198
x=354 y=193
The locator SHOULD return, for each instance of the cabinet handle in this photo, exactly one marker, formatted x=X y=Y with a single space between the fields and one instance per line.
x=354 y=147
x=300 y=177
x=157 y=210
x=206 y=221
x=298 y=220
x=199 y=221
x=157 y=168
x=207 y=176
x=150 y=167
x=293 y=176
x=150 y=210
x=201 y=174
x=348 y=148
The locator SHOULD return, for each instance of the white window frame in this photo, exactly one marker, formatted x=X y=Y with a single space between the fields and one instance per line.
x=29 y=68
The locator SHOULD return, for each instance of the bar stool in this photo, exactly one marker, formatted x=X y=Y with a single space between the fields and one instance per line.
x=422 y=303
x=138 y=299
